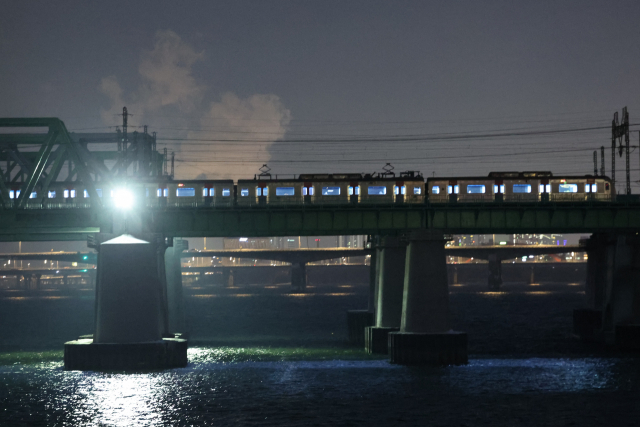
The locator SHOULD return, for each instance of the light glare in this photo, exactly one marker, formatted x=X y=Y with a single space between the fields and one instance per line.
x=123 y=199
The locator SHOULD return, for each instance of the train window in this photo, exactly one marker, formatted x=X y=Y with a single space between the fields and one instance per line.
x=547 y=188
x=587 y=188
x=12 y=194
x=396 y=190
x=450 y=189
x=495 y=188
x=99 y=191
x=185 y=192
x=51 y=194
x=258 y=191
x=435 y=190
x=265 y=191
x=568 y=188
x=159 y=192
x=541 y=188
x=86 y=193
x=304 y=191
x=226 y=192
x=417 y=190
x=403 y=190
x=330 y=191
x=456 y=189
x=475 y=189
x=377 y=190
x=73 y=194
x=33 y=195
x=522 y=188
x=285 y=191
x=66 y=194
x=244 y=192
x=355 y=190
x=594 y=188
x=165 y=192
x=205 y=192
x=212 y=192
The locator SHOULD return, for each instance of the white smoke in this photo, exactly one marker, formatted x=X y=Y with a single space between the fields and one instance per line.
x=167 y=86
x=237 y=133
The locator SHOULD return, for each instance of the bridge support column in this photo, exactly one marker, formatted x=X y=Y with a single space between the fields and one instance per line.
x=358 y=320
x=425 y=337
x=389 y=295
x=495 y=272
x=173 y=275
x=299 y=276
x=131 y=314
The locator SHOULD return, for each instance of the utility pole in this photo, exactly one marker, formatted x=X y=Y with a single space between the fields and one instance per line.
x=595 y=163
x=173 y=158
x=602 y=161
x=617 y=132
x=164 y=164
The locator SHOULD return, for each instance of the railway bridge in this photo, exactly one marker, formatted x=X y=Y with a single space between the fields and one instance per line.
x=411 y=304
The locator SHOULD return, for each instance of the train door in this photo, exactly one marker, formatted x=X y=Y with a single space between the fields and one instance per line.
x=261 y=193
x=544 y=190
x=307 y=192
x=354 y=192
x=452 y=190
x=399 y=191
x=498 y=190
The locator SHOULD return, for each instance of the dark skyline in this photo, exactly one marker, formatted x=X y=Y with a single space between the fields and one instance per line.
x=304 y=86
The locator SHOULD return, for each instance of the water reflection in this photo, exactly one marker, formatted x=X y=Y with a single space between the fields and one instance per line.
x=121 y=399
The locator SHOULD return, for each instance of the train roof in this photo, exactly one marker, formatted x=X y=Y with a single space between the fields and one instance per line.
x=519 y=177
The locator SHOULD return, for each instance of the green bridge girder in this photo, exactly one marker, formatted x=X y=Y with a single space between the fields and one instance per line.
x=77 y=224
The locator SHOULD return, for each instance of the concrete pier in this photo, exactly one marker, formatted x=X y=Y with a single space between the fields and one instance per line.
x=299 y=276
x=388 y=312
x=359 y=320
x=612 y=295
x=173 y=277
x=131 y=319
x=425 y=337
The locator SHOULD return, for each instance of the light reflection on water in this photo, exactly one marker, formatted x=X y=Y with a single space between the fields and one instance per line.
x=226 y=379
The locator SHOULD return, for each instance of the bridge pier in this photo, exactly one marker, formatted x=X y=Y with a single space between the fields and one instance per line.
x=425 y=337
x=495 y=272
x=131 y=319
x=388 y=312
x=358 y=320
x=173 y=277
x=612 y=294
x=299 y=276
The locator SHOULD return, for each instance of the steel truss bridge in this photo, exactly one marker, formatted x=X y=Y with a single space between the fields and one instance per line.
x=36 y=160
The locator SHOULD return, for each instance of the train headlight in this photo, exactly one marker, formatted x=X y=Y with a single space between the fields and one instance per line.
x=123 y=199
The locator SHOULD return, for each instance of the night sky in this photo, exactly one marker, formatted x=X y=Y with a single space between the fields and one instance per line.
x=451 y=88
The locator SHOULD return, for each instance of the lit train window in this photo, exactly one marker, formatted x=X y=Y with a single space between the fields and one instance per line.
x=587 y=188
x=568 y=188
x=204 y=192
x=357 y=190
x=522 y=188
x=330 y=191
x=226 y=192
x=86 y=194
x=435 y=190
x=396 y=190
x=212 y=192
x=307 y=191
x=258 y=191
x=417 y=190
x=475 y=189
x=265 y=191
x=12 y=194
x=594 y=188
x=51 y=194
x=376 y=190
x=165 y=192
x=185 y=192
x=244 y=192
x=304 y=191
x=285 y=191
x=66 y=194
x=99 y=191
x=73 y=194
x=450 y=189
x=159 y=192
x=33 y=195
x=456 y=189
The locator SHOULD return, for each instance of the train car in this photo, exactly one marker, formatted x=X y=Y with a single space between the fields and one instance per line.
x=265 y=189
x=519 y=187
x=214 y=193
x=387 y=188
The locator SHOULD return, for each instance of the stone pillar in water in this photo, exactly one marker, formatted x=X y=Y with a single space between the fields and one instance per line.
x=129 y=293
x=388 y=311
x=175 y=298
x=425 y=336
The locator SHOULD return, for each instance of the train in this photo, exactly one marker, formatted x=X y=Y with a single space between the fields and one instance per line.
x=408 y=188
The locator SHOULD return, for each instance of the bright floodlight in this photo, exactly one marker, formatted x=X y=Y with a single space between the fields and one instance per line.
x=123 y=199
